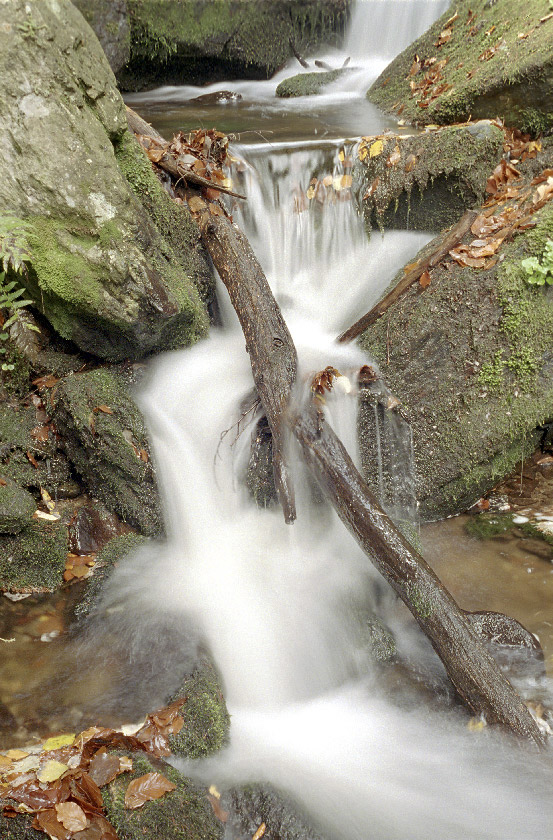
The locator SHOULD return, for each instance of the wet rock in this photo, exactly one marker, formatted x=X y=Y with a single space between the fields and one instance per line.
x=206 y=719
x=478 y=59
x=100 y=270
x=110 y=21
x=217 y=97
x=182 y=814
x=249 y=807
x=511 y=644
x=425 y=182
x=19 y=828
x=105 y=439
x=16 y=507
x=199 y=41
x=309 y=84
x=259 y=474
x=91 y=528
x=466 y=357
x=34 y=559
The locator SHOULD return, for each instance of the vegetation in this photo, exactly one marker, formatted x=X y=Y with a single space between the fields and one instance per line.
x=14 y=254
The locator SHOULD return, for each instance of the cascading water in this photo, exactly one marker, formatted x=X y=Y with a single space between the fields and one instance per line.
x=275 y=604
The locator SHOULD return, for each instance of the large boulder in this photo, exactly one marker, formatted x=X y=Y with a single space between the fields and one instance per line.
x=99 y=267
x=425 y=181
x=110 y=21
x=469 y=353
x=177 y=41
x=481 y=58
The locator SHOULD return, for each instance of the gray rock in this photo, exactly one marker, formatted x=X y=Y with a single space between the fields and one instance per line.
x=34 y=559
x=16 y=507
x=110 y=21
x=100 y=270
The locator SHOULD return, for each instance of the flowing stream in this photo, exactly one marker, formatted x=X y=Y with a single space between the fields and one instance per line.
x=278 y=606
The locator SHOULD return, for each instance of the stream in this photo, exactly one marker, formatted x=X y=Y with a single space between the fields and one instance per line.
x=278 y=606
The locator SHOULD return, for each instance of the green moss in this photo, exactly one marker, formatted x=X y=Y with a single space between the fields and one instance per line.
x=530 y=529
x=421 y=603
x=182 y=814
x=308 y=84
x=490 y=71
x=19 y=828
x=487 y=526
x=16 y=508
x=491 y=374
x=206 y=719
x=34 y=559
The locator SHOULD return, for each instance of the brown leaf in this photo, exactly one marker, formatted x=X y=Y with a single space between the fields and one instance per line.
x=219 y=812
x=155 y=155
x=71 y=816
x=3 y=484
x=97 y=829
x=32 y=459
x=260 y=832
x=105 y=409
x=36 y=798
x=425 y=279
x=196 y=204
x=147 y=788
x=46 y=381
x=40 y=433
x=410 y=163
x=372 y=188
x=394 y=158
x=86 y=792
x=104 y=767
x=49 y=823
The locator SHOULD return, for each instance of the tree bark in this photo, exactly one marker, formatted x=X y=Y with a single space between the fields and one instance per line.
x=473 y=672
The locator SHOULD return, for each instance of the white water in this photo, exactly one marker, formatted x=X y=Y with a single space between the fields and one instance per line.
x=274 y=603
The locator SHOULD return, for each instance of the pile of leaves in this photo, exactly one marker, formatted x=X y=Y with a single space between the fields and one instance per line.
x=60 y=781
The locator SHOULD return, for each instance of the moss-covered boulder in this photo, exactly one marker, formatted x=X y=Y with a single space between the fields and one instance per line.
x=470 y=358
x=251 y=806
x=105 y=438
x=481 y=58
x=19 y=828
x=425 y=181
x=110 y=21
x=206 y=719
x=309 y=84
x=16 y=507
x=176 y=41
x=34 y=559
x=99 y=269
x=30 y=452
x=182 y=814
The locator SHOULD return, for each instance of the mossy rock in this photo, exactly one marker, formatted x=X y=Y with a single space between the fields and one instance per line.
x=309 y=84
x=488 y=71
x=206 y=719
x=110 y=21
x=19 y=828
x=434 y=178
x=470 y=359
x=16 y=508
x=34 y=559
x=488 y=526
x=105 y=438
x=177 y=41
x=99 y=269
x=252 y=805
x=50 y=470
x=182 y=814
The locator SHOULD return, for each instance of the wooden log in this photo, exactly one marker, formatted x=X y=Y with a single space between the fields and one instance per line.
x=475 y=675
x=448 y=242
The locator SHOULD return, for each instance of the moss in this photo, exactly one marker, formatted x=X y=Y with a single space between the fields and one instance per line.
x=206 y=719
x=490 y=71
x=421 y=603
x=182 y=814
x=488 y=526
x=17 y=380
x=532 y=529
x=309 y=84
x=34 y=559
x=178 y=229
x=16 y=508
x=19 y=828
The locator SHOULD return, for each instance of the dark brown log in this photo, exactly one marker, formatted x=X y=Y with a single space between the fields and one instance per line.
x=169 y=162
x=470 y=667
x=448 y=242
x=268 y=341
x=296 y=54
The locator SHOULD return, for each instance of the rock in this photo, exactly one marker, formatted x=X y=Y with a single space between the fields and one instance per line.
x=470 y=358
x=182 y=814
x=249 y=807
x=433 y=176
x=105 y=439
x=309 y=84
x=100 y=270
x=19 y=828
x=110 y=21
x=201 y=40
x=206 y=719
x=479 y=59
x=16 y=507
x=30 y=453
x=217 y=97
x=34 y=559
x=91 y=528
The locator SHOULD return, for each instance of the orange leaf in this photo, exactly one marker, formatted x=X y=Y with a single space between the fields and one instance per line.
x=425 y=279
x=71 y=816
x=104 y=409
x=147 y=788
x=410 y=163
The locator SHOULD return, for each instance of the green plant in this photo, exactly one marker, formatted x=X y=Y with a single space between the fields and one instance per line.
x=540 y=271
x=14 y=253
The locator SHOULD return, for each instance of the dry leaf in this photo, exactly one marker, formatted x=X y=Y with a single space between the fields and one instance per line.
x=51 y=771
x=394 y=158
x=376 y=148
x=147 y=788
x=196 y=204
x=71 y=816
x=410 y=163
x=425 y=279
x=58 y=740
x=260 y=832
x=104 y=767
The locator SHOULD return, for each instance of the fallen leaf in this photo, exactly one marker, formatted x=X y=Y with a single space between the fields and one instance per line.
x=425 y=279
x=147 y=788
x=58 y=741
x=71 y=816
x=104 y=767
x=376 y=148
x=51 y=771
x=16 y=755
x=394 y=158
x=260 y=832
x=105 y=409
x=196 y=204
x=32 y=459
x=40 y=433
x=410 y=163
x=48 y=821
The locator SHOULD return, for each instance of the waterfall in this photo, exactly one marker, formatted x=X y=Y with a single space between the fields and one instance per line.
x=385 y=28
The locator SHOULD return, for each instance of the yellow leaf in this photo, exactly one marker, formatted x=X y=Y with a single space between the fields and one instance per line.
x=341 y=155
x=58 y=741
x=51 y=771
x=15 y=755
x=363 y=152
x=476 y=724
x=310 y=192
x=376 y=148
x=346 y=181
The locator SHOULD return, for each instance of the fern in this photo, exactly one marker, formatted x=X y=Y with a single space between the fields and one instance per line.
x=14 y=254
x=540 y=271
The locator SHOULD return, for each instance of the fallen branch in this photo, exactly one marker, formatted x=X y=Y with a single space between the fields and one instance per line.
x=296 y=54
x=450 y=240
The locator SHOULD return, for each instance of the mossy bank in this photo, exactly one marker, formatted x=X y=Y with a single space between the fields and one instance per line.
x=481 y=58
